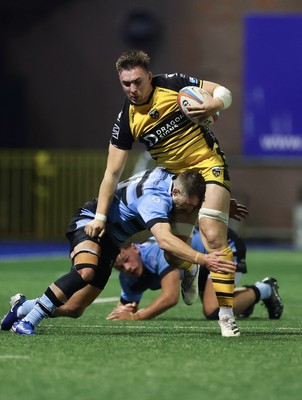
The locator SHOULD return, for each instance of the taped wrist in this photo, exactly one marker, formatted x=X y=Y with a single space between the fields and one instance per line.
x=70 y=283
x=224 y=95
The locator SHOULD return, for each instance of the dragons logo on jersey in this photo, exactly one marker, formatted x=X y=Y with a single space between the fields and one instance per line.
x=216 y=171
x=154 y=114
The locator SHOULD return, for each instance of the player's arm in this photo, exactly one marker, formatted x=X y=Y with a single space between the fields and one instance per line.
x=172 y=244
x=115 y=165
x=170 y=287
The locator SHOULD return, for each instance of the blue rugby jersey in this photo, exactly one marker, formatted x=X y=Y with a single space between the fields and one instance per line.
x=155 y=267
x=139 y=203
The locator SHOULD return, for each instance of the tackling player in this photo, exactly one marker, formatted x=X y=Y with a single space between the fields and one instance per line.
x=148 y=200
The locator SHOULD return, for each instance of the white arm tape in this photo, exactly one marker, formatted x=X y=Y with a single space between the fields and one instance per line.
x=100 y=217
x=224 y=95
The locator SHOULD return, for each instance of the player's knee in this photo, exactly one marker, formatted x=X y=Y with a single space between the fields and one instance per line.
x=86 y=271
x=213 y=239
x=212 y=231
x=75 y=312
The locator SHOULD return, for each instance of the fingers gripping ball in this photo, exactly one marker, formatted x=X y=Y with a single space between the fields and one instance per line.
x=195 y=96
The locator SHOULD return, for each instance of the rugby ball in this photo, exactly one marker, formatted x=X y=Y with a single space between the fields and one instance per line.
x=194 y=96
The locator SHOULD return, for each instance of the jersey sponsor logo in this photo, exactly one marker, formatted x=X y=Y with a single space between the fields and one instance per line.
x=161 y=131
x=116 y=127
x=154 y=114
x=216 y=171
x=115 y=131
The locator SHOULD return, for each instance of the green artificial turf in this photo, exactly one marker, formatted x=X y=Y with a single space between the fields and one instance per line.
x=178 y=355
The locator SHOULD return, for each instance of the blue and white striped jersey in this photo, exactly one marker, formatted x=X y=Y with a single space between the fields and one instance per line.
x=139 y=203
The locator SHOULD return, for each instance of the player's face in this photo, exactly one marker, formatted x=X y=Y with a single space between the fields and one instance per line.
x=129 y=261
x=136 y=83
x=185 y=204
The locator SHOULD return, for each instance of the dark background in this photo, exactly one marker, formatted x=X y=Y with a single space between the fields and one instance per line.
x=59 y=87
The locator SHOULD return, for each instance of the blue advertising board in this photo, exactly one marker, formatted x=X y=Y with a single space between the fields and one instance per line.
x=272 y=118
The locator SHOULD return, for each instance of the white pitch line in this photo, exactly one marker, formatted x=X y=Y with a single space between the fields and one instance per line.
x=106 y=300
x=202 y=329
x=13 y=357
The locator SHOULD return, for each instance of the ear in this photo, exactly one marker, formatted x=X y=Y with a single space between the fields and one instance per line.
x=150 y=75
x=134 y=248
x=175 y=191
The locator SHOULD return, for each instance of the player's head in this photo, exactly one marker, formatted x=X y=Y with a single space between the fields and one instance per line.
x=131 y=59
x=134 y=75
x=129 y=260
x=188 y=191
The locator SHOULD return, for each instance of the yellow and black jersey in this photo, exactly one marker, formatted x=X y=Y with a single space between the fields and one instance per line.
x=172 y=139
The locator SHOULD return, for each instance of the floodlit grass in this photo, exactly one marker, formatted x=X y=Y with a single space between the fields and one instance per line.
x=179 y=355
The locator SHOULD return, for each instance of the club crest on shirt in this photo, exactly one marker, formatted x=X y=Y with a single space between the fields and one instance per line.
x=154 y=114
x=156 y=199
x=216 y=171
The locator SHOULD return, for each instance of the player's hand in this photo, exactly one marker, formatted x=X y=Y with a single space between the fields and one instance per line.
x=120 y=315
x=131 y=307
x=205 y=110
x=214 y=262
x=123 y=312
x=95 y=228
x=237 y=211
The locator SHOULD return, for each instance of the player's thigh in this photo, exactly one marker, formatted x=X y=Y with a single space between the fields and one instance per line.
x=85 y=245
x=217 y=198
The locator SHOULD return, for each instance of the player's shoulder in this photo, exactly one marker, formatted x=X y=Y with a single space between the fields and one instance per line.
x=174 y=81
x=156 y=175
x=150 y=253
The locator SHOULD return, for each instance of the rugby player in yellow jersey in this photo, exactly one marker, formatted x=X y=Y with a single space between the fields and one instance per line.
x=151 y=115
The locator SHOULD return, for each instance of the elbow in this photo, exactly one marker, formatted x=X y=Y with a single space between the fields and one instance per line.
x=172 y=300
x=162 y=243
x=173 y=303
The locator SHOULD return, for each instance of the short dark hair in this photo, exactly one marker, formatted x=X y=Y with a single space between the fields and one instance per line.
x=193 y=184
x=131 y=59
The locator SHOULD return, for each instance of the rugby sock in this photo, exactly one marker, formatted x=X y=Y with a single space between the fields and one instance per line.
x=224 y=285
x=188 y=267
x=264 y=289
x=223 y=311
x=192 y=269
x=43 y=308
x=26 y=307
